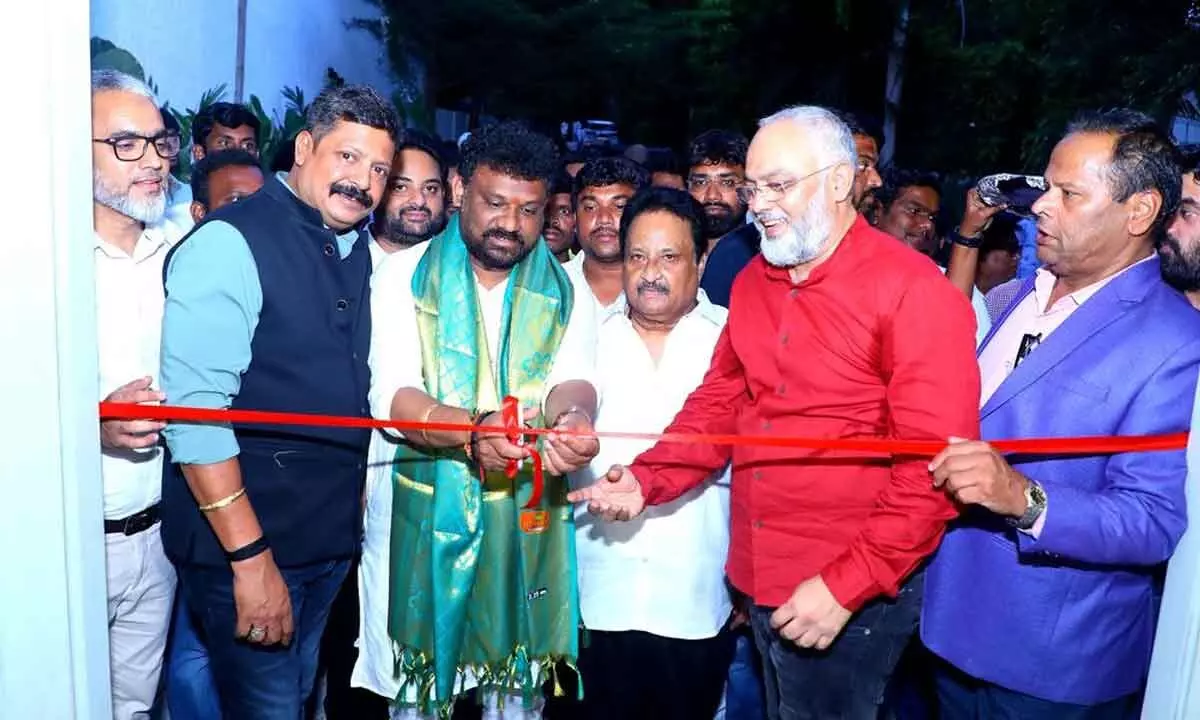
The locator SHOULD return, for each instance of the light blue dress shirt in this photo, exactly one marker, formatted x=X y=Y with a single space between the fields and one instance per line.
x=213 y=304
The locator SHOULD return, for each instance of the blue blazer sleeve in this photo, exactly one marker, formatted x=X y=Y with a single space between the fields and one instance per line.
x=214 y=300
x=1140 y=514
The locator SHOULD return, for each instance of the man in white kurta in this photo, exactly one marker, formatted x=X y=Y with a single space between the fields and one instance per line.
x=652 y=591
x=397 y=373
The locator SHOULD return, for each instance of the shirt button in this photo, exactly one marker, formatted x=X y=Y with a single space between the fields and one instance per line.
x=328 y=250
x=766 y=425
x=758 y=524
x=342 y=304
x=783 y=339
x=758 y=475
x=782 y=389
x=793 y=293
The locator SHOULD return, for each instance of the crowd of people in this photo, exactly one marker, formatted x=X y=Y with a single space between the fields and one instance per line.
x=776 y=286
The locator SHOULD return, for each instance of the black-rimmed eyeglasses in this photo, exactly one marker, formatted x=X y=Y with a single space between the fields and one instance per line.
x=131 y=148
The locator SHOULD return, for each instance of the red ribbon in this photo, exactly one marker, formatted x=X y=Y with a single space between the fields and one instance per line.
x=1101 y=445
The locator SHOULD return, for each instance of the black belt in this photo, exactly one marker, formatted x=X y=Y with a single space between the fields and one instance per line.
x=133 y=524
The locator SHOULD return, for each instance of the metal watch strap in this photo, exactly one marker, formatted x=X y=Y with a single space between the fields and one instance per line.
x=1035 y=505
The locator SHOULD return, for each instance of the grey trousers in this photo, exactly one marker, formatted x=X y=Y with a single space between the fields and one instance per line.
x=141 y=591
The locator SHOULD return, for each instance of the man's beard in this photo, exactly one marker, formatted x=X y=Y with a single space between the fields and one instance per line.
x=805 y=237
x=497 y=258
x=403 y=232
x=1180 y=269
x=718 y=226
x=148 y=211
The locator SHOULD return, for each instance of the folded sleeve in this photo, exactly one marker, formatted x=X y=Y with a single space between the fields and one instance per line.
x=213 y=303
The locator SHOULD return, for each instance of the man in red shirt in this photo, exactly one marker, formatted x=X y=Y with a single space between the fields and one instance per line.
x=836 y=331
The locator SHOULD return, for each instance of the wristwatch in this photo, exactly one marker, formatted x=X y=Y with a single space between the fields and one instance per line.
x=1035 y=505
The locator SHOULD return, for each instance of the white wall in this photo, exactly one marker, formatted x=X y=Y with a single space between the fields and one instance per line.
x=53 y=602
x=189 y=46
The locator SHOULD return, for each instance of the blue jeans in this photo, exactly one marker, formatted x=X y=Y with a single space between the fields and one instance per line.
x=744 y=685
x=255 y=682
x=962 y=697
x=847 y=681
x=191 y=690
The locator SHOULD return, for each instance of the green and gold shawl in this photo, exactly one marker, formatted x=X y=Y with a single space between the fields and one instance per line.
x=469 y=589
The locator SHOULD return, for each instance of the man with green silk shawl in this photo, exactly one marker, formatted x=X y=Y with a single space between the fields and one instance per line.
x=461 y=586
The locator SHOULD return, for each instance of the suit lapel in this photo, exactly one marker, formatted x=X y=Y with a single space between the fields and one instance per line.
x=1096 y=313
x=1026 y=288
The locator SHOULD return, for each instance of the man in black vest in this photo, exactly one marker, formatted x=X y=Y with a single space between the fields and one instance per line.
x=268 y=309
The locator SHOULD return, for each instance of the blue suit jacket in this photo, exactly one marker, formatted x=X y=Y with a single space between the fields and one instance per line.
x=1069 y=616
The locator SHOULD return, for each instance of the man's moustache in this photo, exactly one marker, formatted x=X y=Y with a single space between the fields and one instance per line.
x=653 y=287
x=354 y=193
x=502 y=235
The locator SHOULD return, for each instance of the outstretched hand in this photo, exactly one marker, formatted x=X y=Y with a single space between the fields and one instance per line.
x=617 y=495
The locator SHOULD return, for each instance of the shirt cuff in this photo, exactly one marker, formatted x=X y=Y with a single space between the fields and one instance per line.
x=850 y=585
x=200 y=444
x=1036 y=531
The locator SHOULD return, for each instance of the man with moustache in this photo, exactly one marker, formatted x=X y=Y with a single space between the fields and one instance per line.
x=414 y=205
x=1179 y=251
x=602 y=188
x=827 y=546
x=462 y=585
x=652 y=593
x=268 y=309
x=1042 y=598
x=559 y=230
x=131 y=155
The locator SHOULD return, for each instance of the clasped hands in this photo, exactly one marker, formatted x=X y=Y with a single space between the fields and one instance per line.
x=561 y=453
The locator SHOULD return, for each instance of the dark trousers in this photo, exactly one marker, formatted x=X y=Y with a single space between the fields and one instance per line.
x=191 y=692
x=256 y=682
x=338 y=655
x=635 y=675
x=847 y=681
x=962 y=697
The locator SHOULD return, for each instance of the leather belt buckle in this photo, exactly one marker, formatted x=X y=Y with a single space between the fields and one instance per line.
x=134 y=524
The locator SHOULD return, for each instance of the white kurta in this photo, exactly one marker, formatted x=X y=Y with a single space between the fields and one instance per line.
x=663 y=573
x=396 y=363
x=1173 y=689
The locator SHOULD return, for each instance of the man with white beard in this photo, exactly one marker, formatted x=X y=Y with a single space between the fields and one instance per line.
x=131 y=155
x=836 y=331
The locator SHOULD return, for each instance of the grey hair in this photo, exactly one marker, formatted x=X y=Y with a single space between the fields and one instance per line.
x=833 y=139
x=106 y=80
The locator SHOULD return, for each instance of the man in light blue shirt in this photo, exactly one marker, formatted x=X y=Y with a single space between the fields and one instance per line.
x=268 y=308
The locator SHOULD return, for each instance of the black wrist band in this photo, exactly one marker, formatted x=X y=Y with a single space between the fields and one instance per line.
x=969 y=242
x=254 y=549
x=474 y=439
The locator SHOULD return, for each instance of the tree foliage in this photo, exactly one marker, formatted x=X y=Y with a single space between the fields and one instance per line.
x=988 y=83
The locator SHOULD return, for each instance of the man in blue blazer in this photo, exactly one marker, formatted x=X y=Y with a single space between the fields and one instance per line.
x=1041 y=600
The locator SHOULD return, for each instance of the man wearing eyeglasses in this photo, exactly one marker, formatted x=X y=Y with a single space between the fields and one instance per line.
x=719 y=152
x=131 y=157
x=836 y=331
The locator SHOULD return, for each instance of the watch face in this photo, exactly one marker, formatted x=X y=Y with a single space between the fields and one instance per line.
x=1037 y=494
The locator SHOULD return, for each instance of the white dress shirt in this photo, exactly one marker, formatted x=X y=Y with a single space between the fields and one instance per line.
x=129 y=313
x=663 y=573
x=584 y=293
x=396 y=363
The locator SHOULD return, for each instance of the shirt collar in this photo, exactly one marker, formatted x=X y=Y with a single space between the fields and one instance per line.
x=351 y=233
x=849 y=246
x=153 y=238
x=1044 y=280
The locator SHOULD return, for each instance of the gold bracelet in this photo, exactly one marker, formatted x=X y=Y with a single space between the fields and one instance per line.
x=223 y=502
x=425 y=419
